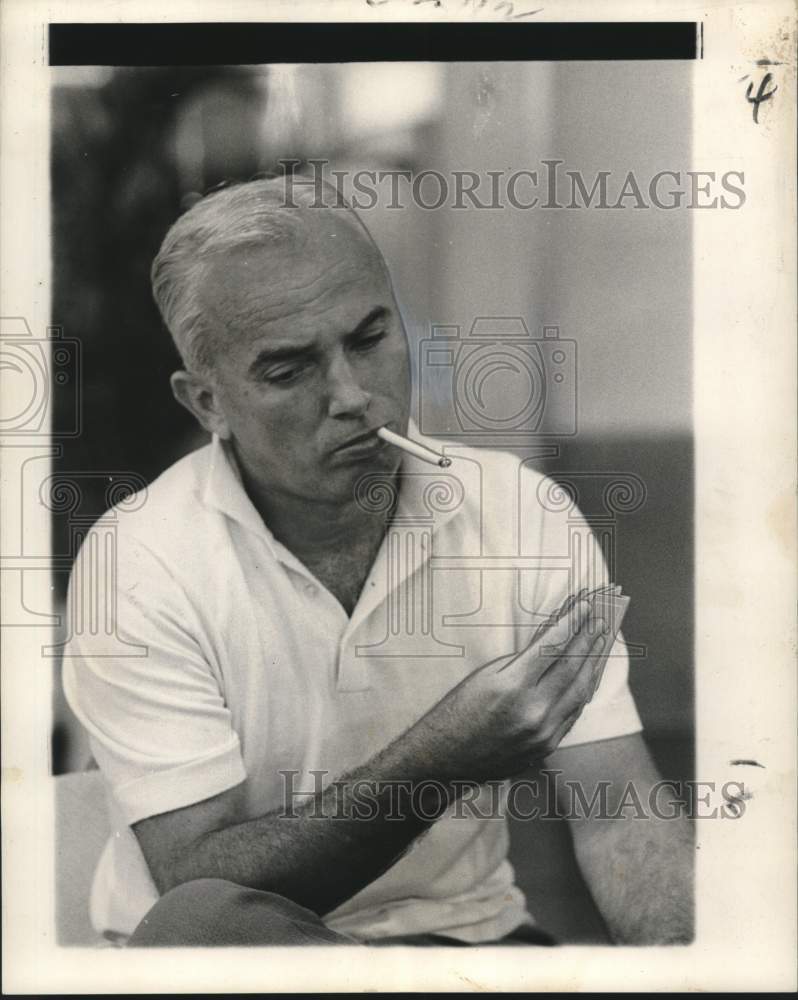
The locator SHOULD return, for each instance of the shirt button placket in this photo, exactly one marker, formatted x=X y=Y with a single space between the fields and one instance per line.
x=352 y=672
x=352 y=669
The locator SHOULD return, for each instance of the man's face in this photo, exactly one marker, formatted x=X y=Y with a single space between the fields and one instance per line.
x=311 y=357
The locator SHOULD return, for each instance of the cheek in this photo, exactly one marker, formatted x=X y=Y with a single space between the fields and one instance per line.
x=276 y=420
x=249 y=405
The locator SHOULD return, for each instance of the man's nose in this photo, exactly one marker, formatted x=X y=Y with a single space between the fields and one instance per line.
x=347 y=397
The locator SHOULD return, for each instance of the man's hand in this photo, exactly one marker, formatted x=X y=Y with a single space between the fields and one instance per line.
x=505 y=715
x=516 y=709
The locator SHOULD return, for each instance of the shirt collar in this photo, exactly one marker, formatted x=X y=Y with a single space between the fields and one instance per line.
x=224 y=491
x=427 y=494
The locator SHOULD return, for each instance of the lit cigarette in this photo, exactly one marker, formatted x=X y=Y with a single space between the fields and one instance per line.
x=414 y=448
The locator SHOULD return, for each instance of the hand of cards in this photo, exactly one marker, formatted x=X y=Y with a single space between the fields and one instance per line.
x=607 y=603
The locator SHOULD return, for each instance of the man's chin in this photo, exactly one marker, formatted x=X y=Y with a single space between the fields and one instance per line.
x=349 y=479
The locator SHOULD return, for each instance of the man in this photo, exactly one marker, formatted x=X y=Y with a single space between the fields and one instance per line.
x=278 y=671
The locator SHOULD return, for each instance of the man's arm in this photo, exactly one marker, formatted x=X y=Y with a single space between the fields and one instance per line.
x=639 y=871
x=317 y=853
x=503 y=716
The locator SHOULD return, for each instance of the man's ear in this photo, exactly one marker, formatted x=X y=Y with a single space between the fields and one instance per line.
x=199 y=397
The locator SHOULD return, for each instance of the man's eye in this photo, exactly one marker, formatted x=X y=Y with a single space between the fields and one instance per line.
x=283 y=376
x=365 y=343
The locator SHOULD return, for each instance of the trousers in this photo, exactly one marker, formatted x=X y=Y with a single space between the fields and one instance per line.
x=211 y=912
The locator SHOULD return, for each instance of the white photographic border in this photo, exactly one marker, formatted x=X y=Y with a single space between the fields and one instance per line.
x=744 y=417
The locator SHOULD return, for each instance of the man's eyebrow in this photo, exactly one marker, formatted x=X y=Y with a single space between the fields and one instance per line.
x=288 y=353
x=379 y=312
x=291 y=352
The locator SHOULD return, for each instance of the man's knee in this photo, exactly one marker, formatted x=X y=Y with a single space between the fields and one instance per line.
x=200 y=892
x=210 y=912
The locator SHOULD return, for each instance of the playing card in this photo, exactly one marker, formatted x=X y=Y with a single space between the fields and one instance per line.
x=609 y=604
x=610 y=607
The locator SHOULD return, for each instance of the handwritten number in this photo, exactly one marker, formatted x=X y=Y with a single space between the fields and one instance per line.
x=761 y=95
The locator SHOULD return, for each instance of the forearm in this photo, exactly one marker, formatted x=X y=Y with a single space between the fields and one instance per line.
x=500 y=717
x=640 y=873
x=322 y=852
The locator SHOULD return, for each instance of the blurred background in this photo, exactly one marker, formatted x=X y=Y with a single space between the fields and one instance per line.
x=132 y=148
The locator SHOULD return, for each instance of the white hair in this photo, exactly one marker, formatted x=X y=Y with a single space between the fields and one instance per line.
x=265 y=212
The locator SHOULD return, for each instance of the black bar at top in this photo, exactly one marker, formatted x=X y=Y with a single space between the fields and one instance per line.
x=228 y=44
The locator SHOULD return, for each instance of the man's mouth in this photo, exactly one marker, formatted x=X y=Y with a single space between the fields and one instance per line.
x=366 y=439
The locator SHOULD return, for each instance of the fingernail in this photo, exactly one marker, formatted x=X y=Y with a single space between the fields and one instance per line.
x=602 y=626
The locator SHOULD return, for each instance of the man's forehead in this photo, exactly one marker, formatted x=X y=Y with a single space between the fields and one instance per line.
x=262 y=283
x=316 y=244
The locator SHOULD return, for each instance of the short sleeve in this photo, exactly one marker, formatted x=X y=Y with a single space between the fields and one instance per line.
x=146 y=693
x=562 y=538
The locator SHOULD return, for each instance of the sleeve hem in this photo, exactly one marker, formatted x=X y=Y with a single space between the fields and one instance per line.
x=184 y=785
x=626 y=722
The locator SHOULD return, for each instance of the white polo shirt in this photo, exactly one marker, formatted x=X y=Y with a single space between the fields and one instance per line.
x=226 y=661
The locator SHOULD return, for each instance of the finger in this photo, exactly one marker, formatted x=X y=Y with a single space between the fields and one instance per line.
x=576 y=660
x=557 y=633
x=559 y=613
x=581 y=623
x=603 y=665
x=565 y=712
x=600 y=658
x=574 y=696
x=570 y=601
x=540 y=653
x=543 y=627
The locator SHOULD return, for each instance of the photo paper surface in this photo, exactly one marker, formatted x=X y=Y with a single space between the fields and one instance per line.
x=398 y=456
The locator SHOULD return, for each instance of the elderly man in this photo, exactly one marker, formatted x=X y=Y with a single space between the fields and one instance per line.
x=272 y=682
